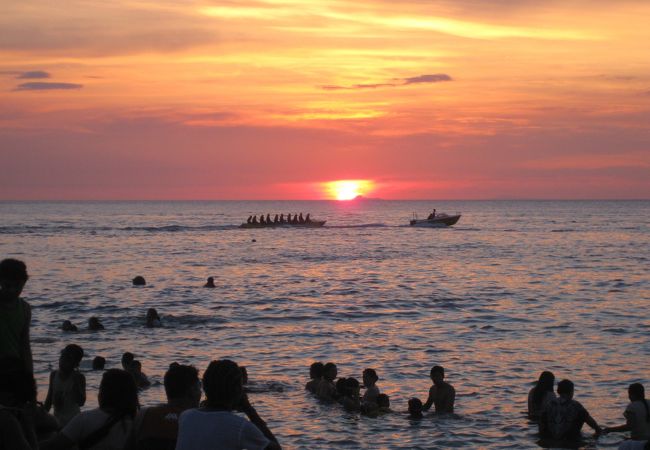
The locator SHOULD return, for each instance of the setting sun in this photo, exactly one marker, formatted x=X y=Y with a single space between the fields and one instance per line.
x=347 y=189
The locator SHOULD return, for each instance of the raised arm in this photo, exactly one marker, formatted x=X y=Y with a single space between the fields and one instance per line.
x=429 y=402
x=255 y=418
x=50 y=392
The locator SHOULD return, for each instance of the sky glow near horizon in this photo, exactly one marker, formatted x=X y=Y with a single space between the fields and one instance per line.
x=275 y=99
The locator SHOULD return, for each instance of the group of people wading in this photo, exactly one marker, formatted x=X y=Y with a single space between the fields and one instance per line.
x=296 y=218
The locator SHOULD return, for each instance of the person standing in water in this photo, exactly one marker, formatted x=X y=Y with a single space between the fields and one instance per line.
x=67 y=389
x=15 y=313
x=441 y=394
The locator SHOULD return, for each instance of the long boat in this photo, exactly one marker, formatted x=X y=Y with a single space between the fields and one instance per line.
x=441 y=220
x=310 y=224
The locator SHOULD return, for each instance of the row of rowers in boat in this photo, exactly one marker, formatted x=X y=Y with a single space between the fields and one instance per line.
x=297 y=220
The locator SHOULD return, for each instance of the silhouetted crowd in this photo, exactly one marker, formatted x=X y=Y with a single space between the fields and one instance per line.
x=185 y=422
x=278 y=219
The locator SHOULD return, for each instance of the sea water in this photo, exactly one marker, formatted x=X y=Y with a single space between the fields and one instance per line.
x=513 y=289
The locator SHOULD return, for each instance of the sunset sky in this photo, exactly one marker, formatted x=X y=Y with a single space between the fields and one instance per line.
x=273 y=99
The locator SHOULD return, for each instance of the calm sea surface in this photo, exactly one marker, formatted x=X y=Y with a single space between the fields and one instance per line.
x=513 y=289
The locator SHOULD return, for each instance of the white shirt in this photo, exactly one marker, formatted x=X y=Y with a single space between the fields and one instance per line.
x=87 y=422
x=218 y=430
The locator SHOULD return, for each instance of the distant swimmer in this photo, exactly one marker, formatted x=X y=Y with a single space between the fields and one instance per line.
x=68 y=326
x=94 y=324
x=139 y=281
x=316 y=375
x=282 y=218
x=276 y=219
x=153 y=319
x=289 y=218
x=262 y=220
x=254 y=219
x=295 y=218
x=268 y=218
x=301 y=219
x=415 y=408
x=442 y=394
x=307 y=219
x=99 y=362
x=250 y=219
x=210 y=283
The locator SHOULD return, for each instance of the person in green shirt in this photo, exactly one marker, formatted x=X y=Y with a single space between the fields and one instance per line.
x=15 y=313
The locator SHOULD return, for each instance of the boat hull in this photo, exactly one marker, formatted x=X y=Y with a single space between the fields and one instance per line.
x=311 y=224
x=438 y=222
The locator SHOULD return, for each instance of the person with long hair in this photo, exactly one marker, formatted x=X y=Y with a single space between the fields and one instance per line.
x=541 y=394
x=106 y=427
x=637 y=416
x=214 y=426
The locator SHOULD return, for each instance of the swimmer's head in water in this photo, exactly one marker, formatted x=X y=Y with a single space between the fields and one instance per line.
x=99 y=362
x=330 y=371
x=210 y=282
x=95 y=324
x=383 y=401
x=316 y=370
x=437 y=374
x=127 y=359
x=565 y=388
x=415 y=405
x=139 y=281
x=68 y=326
x=370 y=377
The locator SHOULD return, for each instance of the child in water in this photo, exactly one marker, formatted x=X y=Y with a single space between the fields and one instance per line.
x=141 y=380
x=94 y=324
x=327 y=389
x=370 y=379
x=153 y=319
x=415 y=408
x=67 y=389
x=68 y=326
x=316 y=375
x=351 y=400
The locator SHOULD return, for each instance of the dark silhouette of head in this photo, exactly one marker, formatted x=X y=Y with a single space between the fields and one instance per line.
x=340 y=386
x=415 y=407
x=95 y=324
x=636 y=392
x=118 y=394
x=127 y=359
x=565 y=388
x=330 y=371
x=544 y=384
x=139 y=281
x=68 y=326
x=72 y=354
x=316 y=370
x=370 y=375
x=352 y=386
x=222 y=384
x=383 y=401
x=210 y=282
x=99 y=362
x=13 y=276
x=182 y=383
x=437 y=374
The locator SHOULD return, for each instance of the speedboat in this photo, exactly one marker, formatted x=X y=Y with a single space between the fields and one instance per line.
x=439 y=221
x=310 y=224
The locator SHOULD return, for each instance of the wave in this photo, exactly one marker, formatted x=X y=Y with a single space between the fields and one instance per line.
x=31 y=229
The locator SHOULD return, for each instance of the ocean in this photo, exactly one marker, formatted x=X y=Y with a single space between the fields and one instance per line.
x=516 y=287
